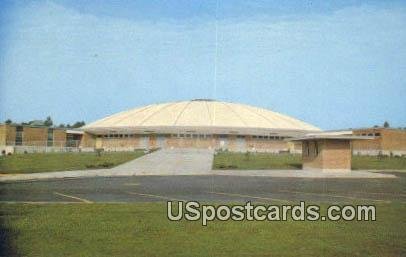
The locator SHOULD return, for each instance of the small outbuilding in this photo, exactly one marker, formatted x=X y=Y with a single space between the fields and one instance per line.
x=327 y=151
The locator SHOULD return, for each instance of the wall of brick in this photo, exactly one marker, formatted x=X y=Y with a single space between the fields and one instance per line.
x=393 y=140
x=389 y=140
x=120 y=142
x=332 y=154
x=59 y=138
x=265 y=145
x=3 y=134
x=336 y=154
x=10 y=132
x=232 y=143
x=88 y=141
x=35 y=136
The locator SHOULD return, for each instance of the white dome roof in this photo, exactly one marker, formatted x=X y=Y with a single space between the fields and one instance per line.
x=199 y=114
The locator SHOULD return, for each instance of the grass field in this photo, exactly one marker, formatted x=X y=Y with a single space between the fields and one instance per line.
x=41 y=162
x=143 y=230
x=253 y=161
x=376 y=163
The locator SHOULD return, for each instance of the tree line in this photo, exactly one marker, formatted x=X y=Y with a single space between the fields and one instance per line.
x=47 y=123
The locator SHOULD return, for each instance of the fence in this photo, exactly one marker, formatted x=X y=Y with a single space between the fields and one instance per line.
x=44 y=147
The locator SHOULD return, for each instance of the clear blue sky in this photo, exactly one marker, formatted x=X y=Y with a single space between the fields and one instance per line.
x=335 y=65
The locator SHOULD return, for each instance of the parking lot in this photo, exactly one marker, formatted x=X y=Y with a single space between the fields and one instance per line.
x=207 y=188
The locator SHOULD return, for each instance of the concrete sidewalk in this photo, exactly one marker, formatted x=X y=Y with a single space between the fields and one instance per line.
x=185 y=162
x=242 y=173
x=303 y=174
x=171 y=162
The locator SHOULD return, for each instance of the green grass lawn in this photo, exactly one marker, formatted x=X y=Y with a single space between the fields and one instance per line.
x=143 y=230
x=376 y=163
x=43 y=162
x=257 y=161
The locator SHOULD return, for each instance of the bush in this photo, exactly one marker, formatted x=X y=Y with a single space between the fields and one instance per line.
x=106 y=164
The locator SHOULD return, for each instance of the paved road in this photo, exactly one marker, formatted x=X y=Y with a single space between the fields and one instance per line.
x=206 y=188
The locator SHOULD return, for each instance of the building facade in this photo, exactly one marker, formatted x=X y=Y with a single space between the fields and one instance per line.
x=386 y=141
x=26 y=139
x=326 y=154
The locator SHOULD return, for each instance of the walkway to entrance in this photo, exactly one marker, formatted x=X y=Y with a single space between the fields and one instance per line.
x=171 y=162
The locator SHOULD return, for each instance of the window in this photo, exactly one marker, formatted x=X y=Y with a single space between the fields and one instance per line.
x=307 y=148
x=19 y=135
x=50 y=138
x=240 y=136
x=316 y=148
x=370 y=134
x=72 y=140
x=377 y=134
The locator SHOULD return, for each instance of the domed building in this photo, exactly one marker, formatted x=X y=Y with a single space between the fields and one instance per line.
x=199 y=123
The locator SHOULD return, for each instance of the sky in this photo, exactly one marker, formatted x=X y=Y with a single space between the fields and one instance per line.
x=335 y=65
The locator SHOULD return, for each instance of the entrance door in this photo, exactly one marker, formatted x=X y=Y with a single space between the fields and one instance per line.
x=241 y=144
x=144 y=142
x=161 y=141
x=98 y=142
x=223 y=142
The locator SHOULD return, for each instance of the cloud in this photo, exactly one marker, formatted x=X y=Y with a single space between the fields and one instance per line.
x=313 y=67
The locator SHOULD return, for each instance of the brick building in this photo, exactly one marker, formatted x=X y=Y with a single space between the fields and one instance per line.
x=328 y=152
x=28 y=138
x=386 y=141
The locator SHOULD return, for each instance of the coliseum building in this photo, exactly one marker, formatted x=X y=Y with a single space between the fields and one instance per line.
x=198 y=123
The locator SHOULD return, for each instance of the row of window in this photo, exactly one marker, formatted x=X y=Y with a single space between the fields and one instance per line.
x=192 y=136
x=117 y=135
x=269 y=137
x=369 y=134
x=315 y=148
x=20 y=133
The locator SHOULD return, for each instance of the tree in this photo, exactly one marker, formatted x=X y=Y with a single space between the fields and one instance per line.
x=78 y=124
x=61 y=125
x=386 y=124
x=8 y=121
x=48 y=122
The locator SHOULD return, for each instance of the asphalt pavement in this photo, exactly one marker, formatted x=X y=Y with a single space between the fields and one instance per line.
x=207 y=188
